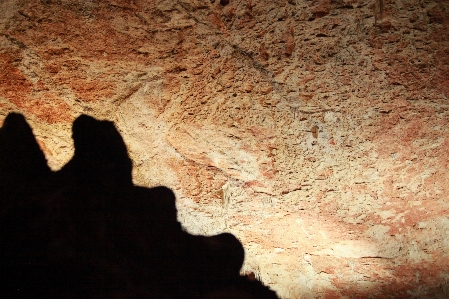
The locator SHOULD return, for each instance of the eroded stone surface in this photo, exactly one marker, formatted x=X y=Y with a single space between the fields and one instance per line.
x=316 y=132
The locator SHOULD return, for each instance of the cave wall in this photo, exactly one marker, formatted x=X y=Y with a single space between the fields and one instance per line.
x=314 y=131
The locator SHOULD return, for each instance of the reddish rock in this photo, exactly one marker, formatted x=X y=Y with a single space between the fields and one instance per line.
x=438 y=14
x=384 y=26
x=289 y=39
x=264 y=53
x=322 y=9
x=217 y=102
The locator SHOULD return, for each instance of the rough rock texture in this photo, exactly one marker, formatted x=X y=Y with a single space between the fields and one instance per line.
x=314 y=131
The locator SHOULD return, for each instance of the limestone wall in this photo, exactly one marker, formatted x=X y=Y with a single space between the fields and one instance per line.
x=315 y=131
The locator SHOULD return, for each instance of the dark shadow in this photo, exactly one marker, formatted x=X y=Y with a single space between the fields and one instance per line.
x=87 y=232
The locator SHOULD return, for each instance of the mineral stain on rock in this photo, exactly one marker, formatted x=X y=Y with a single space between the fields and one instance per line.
x=314 y=131
x=365 y=78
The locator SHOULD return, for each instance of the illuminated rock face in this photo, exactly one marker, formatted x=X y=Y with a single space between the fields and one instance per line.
x=316 y=132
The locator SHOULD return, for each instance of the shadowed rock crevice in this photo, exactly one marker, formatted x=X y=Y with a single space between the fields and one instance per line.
x=87 y=232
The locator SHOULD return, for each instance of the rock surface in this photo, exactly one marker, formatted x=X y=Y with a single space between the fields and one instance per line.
x=314 y=131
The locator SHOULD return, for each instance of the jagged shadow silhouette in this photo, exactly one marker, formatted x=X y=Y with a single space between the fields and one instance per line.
x=87 y=232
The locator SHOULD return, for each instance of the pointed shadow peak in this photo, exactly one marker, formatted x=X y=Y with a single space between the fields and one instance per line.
x=21 y=159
